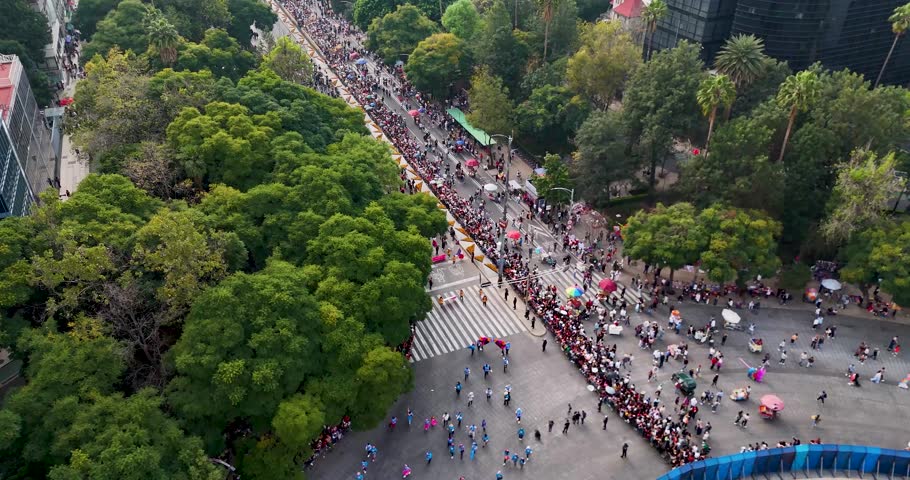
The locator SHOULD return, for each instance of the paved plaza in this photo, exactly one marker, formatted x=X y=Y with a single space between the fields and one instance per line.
x=544 y=384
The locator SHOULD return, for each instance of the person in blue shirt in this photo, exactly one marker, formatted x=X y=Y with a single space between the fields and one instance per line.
x=528 y=452
x=473 y=449
x=499 y=475
x=429 y=457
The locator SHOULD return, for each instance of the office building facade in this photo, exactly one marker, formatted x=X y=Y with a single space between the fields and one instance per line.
x=854 y=34
x=28 y=163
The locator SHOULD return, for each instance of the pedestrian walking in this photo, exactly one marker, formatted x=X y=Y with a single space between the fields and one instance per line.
x=458 y=389
x=744 y=421
x=467 y=373
x=625 y=449
x=739 y=417
x=507 y=294
x=821 y=397
x=484 y=300
x=565 y=427
x=505 y=364
x=783 y=358
x=714 y=382
x=550 y=426
x=816 y=419
x=544 y=348
x=429 y=457
x=515 y=303
x=723 y=339
x=584 y=415
x=606 y=419
x=489 y=393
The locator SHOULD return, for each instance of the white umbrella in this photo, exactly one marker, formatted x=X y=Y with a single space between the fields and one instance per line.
x=831 y=284
x=490 y=187
x=730 y=316
x=610 y=390
x=590 y=388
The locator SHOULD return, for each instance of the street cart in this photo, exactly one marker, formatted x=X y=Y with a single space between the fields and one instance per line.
x=756 y=345
x=770 y=406
x=731 y=319
x=684 y=383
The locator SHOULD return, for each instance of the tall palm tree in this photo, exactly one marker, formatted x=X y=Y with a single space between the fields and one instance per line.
x=900 y=22
x=742 y=58
x=713 y=92
x=656 y=10
x=547 y=9
x=797 y=93
x=163 y=36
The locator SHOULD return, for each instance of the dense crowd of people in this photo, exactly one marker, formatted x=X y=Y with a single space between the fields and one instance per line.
x=666 y=430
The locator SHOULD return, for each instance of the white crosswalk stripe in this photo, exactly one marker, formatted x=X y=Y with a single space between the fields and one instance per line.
x=458 y=323
x=565 y=277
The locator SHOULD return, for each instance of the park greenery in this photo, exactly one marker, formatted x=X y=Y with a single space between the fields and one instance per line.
x=235 y=275
x=814 y=157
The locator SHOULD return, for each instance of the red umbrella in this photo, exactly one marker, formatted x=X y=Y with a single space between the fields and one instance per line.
x=513 y=234
x=607 y=285
x=65 y=101
x=472 y=162
x=484 y=340
x=413 y=113
x=500 y=343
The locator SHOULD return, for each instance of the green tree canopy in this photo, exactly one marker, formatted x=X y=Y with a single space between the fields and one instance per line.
x=248 y=12
x=557 y=176
x=864 y=187
x=20 y=23
x=603 y=62
x=399 y=32
x=499 y=48
x=438 y=61
x=194 y=17
x=666 y=236
x=880 y=254
x=601 y=158
x=289 y=62
x=89 y=13
x=491 y=108
x=660 y=100
x=739 y=241
x=122 y=27
x=219 y=53
x=551 y=114
x=461 y=18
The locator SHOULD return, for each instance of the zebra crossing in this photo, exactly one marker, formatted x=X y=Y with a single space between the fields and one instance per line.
x=568 y=276
x=458 y=323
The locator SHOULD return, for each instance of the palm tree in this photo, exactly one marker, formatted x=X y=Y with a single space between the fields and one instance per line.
x=797 y=93
x=713 y=92
x=656 y=10
x=547 y=9
x=163 y=36
x=900 y=22
x=742 y=58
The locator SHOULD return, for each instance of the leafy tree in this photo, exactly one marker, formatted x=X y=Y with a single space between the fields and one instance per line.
x=797 y=93
x=760 y=89
x=900 y=23
x=601 y=158
x=553 y=74
x=224 y=144
x=650 y=15
x=111 y=108
x=219 y=53
x=246 y=345
x=162 y=35
x=419 y=211
x=129 y=438
x=491 y=109
x=299 y=419
x=499 y=48
x=863 y=188
x=742 y=58
x=367 y=10
x=739 y=172
x=666 y=236
x=89 y=13
x=550 y=114
x=399 y=32
x=880 y=254
x=660 y=100
x=600 y=66
x=290 y=62
x=171 y=244
x=461 y=18
x=122 y=27
x=437 y=62
x=63 y=370
x=713 y=92
x=561 y=32
x=591 y=10
x=739 y=241
x=248 y=12
x=557 y=176
x=20 y=23
x=194 y=18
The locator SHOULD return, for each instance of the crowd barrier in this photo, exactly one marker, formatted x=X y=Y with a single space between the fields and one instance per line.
x=801 y=461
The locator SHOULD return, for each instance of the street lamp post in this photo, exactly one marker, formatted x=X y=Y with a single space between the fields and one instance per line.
x=505 y=207
x=571 y=194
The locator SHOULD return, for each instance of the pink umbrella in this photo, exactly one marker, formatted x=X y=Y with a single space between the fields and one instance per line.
x=353 y=55
x=472 y=162
x=772 y=402
x=607 y=285
x=514 y=235
x=413 y=113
